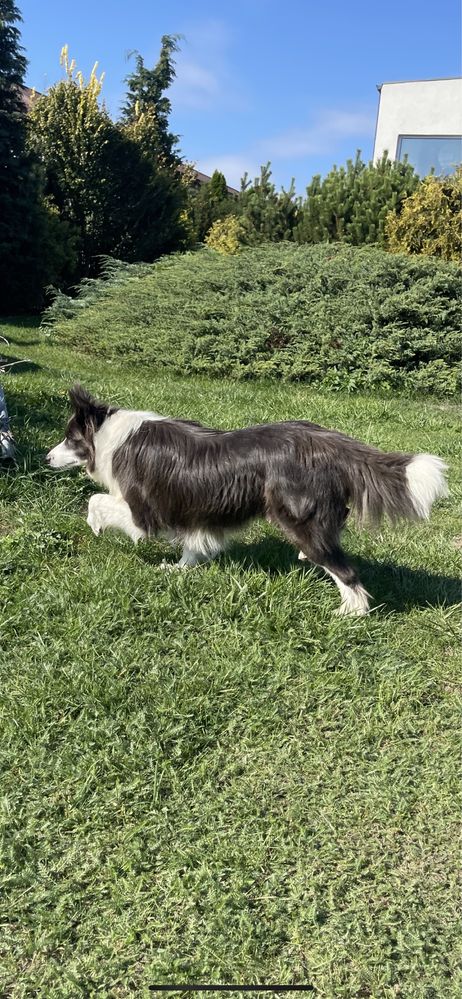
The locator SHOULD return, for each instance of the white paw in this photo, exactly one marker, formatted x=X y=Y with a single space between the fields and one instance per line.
x=94 y=517
x=302 y=557
x=168 y=566
x=347 y=611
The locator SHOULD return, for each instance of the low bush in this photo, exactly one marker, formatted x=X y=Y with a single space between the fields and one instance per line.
x=429 y=220
x=226 y=235
x=331 y=314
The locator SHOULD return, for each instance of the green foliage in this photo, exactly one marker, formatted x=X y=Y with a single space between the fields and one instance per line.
x=208 y=203
x=206 y=775
x=430 y=220
x=21 y=221
x=72 y=136
x=331 y=315
x=99 y=176
x=351 y=204
x=268 y=215
x=226 y=235
x=147 y=108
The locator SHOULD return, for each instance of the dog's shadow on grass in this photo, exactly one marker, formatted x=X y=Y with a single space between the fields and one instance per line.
x=395 y=586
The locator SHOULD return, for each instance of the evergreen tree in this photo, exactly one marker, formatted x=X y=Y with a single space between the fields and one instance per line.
x=101 y=178
x=147 y=108
x=209 y=203
x=268 y=215
x=73 y=136
x=161 y=220
x=351 y=203
x=21 y=223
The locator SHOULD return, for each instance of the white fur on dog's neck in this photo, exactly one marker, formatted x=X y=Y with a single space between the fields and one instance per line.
x=113 y=432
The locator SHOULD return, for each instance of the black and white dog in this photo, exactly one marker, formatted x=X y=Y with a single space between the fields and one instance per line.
x=198 y=486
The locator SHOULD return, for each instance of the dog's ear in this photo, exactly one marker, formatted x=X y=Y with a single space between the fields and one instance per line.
x=86 y=407
x=80 y=398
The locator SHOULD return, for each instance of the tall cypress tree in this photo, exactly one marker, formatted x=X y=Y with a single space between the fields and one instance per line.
x=145 y=122
x=20 y=214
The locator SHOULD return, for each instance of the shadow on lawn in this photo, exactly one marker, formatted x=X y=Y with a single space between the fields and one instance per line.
x=396 y=586
x=11 y=328
x=16 y=365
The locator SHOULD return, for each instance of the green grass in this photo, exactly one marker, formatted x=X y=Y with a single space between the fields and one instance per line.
x=207 y=776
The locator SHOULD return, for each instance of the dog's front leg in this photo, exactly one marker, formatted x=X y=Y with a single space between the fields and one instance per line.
x=106 y=511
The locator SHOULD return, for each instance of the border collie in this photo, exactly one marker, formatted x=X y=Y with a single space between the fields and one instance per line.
x=198 y=486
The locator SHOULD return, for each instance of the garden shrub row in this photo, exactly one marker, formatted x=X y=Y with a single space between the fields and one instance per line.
x=331 y=315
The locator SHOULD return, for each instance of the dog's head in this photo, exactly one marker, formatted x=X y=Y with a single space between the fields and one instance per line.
x=78 y=446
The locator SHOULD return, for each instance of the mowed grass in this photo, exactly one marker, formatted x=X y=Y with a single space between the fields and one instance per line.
x=206 y=776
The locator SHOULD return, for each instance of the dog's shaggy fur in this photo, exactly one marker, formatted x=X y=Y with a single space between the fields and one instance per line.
x=196 y=485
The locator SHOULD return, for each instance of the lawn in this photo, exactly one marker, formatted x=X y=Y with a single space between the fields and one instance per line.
x=207 y=776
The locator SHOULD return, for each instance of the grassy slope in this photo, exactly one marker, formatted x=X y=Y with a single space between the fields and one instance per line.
x=207 y=776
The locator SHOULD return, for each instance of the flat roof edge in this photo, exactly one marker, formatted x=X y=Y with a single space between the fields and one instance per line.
x=427 y=79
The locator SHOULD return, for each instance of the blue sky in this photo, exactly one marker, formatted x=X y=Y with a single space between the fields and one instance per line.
x=293 y=83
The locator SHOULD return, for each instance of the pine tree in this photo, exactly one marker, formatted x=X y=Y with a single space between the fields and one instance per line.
x=20 y=214
x=351 y=203
x=162 y=219
x=268 y=215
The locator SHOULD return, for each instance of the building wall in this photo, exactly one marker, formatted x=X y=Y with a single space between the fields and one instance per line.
x=421 y=107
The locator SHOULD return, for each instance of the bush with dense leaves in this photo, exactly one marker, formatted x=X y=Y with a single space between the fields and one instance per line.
x=430 y=220
x=350 y=204
x=226 y=235
x=344 y=317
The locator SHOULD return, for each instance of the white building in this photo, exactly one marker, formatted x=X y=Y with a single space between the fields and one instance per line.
x=421 y=119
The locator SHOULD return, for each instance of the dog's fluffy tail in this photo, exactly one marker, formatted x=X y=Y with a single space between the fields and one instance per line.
x=395 y=485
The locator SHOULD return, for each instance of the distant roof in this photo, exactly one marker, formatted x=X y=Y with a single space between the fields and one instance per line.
x=428 y=79
x=203 y=178
x=29 y=96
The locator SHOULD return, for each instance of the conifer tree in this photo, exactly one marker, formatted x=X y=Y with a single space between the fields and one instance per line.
x=101 y=177
x=209 y=203
x=147 y=108
x=20 y=215
x=268 y=215
x=351 y=203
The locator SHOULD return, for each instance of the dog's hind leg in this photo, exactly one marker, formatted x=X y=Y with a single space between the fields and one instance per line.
x=106 y=511
x=331 y=558
x=319 y=543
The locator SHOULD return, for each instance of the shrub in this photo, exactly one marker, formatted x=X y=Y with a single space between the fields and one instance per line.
x=430 y=220
x=269 y=215
x=351 y=203
x=209 y=203
x=226 y=235
x=331 y=315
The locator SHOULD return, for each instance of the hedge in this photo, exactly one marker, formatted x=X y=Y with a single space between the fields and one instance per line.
x=333 y=315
